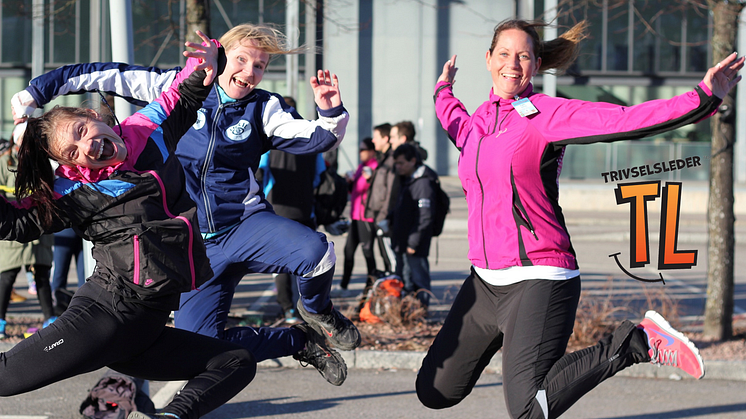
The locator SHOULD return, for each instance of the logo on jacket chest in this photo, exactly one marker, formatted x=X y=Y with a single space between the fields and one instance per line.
x=240 y=131
x=201 y=118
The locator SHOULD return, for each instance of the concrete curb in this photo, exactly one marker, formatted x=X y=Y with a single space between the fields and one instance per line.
x=364 y=359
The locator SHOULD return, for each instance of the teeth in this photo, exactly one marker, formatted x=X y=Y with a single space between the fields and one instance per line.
x=100 y=151
x=514 y=76
x=240 y=83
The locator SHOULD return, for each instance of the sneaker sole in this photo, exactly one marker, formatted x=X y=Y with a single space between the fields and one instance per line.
x=663 y=324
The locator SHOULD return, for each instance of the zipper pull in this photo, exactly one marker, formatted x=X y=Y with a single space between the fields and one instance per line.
x=534 y=234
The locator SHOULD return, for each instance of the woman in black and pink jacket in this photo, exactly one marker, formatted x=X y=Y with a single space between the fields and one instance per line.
x=124 y=191
x=524 y=288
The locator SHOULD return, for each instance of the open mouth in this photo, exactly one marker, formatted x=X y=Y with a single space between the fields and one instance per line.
x=240 y=83
x=106 y=151
x=511 y=76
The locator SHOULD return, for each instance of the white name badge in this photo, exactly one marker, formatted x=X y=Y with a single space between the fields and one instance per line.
x=524 y=107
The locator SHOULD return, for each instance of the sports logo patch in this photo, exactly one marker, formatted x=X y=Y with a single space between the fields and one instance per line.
x=240 y=131
x=201 y=118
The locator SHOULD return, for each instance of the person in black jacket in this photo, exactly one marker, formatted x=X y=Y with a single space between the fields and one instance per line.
x=412 y=220
x=124 y=191
x=384 y=188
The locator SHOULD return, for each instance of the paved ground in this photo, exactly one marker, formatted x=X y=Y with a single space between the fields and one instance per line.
x=375 y=390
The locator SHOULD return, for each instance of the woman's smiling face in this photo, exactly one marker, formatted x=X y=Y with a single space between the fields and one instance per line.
x=87 y=142
x=244 y=69
x=512 y=63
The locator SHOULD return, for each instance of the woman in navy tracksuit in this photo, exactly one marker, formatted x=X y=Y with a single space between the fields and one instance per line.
x=123 y=191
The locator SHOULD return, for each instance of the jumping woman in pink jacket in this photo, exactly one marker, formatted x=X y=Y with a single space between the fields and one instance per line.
x=523 y=291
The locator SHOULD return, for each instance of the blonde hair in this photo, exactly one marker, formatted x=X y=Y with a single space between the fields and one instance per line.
x=557 y=54
x=265 y=37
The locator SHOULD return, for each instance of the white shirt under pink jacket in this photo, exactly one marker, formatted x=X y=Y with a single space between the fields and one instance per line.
x=509 y=165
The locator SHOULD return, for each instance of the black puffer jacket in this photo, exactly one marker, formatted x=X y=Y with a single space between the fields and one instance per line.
x=412 y=219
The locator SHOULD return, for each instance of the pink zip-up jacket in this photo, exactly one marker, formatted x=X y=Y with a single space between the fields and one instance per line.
x=359 y=192
x=509 y=165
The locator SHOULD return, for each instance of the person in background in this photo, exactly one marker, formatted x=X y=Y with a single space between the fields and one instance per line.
x=412 y=221
x=5 y=148
x=404 y=132
x=384 y=187
x=362 y=229
x=34 y=256
x=68 y=246
x=523 y=291
x=288 y=182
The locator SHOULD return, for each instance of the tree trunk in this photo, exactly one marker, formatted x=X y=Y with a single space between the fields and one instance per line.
x=720 y=256
x=197 y=18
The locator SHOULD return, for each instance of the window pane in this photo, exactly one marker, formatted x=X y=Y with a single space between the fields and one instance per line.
x=697 y=34
x=669 y=27
x=63 y=38
x=590 y=48
x=16 y=31
x=156 y=32
x=618 y=30
x=647 y=38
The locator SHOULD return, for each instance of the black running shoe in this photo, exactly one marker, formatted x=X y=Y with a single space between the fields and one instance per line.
x=327 y=361
x=334 y=326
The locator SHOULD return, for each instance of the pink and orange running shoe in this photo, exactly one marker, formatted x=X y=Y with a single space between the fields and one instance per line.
x=670 y=347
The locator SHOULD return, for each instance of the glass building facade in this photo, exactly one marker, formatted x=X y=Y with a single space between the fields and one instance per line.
x=637 y=50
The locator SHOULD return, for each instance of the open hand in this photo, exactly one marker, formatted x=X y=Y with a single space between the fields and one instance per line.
x=724 y=75
x=326 y=90
x=449 y=71
x=207 y=54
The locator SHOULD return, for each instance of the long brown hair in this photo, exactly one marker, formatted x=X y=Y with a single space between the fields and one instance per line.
x=35 y=176
x=557 y=54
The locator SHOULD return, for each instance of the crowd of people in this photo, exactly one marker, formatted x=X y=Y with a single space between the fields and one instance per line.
x=187 y=196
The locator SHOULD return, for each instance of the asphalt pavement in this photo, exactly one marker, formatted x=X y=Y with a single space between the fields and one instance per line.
x=380 y=384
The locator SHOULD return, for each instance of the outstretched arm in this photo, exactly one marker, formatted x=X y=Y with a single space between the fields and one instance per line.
x=137 y=84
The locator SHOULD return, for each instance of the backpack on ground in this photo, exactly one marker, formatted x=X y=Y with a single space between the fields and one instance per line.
x=379 y=297
x=115 y=396
x=442 y=208
x=331 y=198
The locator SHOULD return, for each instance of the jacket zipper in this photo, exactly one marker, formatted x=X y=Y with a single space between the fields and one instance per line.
x=205 y=166
x=136 y=279
x=495 y=128
x=190 y=244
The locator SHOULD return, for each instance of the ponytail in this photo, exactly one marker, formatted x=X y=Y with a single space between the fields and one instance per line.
x=35 y=176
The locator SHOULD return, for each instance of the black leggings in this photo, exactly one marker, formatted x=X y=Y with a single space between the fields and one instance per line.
x=360 y=232
x=99 y=329
x=531 y=321
x=43 y=289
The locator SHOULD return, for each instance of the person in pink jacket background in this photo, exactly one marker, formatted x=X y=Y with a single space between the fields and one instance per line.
x=362 y=229
x=523 y=291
